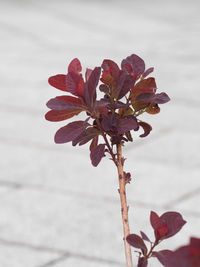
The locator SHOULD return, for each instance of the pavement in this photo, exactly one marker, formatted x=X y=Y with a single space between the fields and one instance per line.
x=55 y=208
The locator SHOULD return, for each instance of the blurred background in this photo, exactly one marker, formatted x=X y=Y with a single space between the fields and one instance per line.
x=55 y=208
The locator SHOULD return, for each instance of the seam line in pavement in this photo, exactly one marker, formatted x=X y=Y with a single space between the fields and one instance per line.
x=57 y=191
x=55 y=261
x=59 y=251
x=51 y=190
x=183 y=198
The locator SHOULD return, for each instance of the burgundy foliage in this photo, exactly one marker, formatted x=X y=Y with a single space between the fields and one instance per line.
x=165 y=226
x=70 y=132
x=126 y=94
x=97 y=154
x=137 y=242
x=185 y=256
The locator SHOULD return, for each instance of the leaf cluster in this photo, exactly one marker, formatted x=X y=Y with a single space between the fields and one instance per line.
x=164 y=226
x=126 y=93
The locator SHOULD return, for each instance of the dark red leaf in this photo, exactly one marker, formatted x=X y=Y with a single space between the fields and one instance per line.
x=147 y=72
x=60 y=115
x=163 y=256
x=194 y=251
x=144 y=236
x=75 y=84
x=185 y=256
x=181 y=258
x=155 y=220
x=65 y=103
x=94 y=143
x=161 y=232
x=153 y=98
x=58 y=81
x=178 y=258
x=110 y=123
x=174 y=222
x=146 y=85
x=136 y=242
x=87 y=74
x=86 y=136
x=108 y=79
x=142 y=262
x=120 y=82
x=124 y=85
x=146 y=127
x=97 y=154
x=75 y=66
x=133 y=65
x=145 y=97
x=112 y=67
x=93 y=82
x=70 y=131
x=118 y=105
x=127 y=124
x=161 y=98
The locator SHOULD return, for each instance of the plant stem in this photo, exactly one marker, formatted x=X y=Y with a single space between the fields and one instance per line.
x=106 y=141
x=124 y=207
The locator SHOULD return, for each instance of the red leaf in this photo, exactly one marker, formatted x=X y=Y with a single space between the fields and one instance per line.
x=58 y=81
x=70 y=131
x=124 y=84
x=194 y=251
x=110 y=123
x=127 y=124
x=146 y=127
x=133 y=65
x=93 y=82
x=94 y=143
x=142 y=262
x=144 y=237
x=161 y=98
x=108 y=79
x=112 y=67
x=161 y=232
x=97 y=154
x=163 y=256
x=87 y=74
x=60 y=115
x=65 y=103
x=178 y=258
x=147 y=72
x=75 y=84
x=144 y=86
x=174 y=222
x=75 y=66
x=155 y=220
x=86 y=136
x=136 y=242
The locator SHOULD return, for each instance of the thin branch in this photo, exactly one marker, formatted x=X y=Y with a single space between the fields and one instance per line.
x=124 y=207
x=106 y=141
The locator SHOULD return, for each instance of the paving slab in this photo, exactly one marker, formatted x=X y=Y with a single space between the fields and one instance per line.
x=18 y=257
x=71 y=262
x=52 y=201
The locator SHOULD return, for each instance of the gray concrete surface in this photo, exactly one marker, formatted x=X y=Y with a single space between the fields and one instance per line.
x=55 y=208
